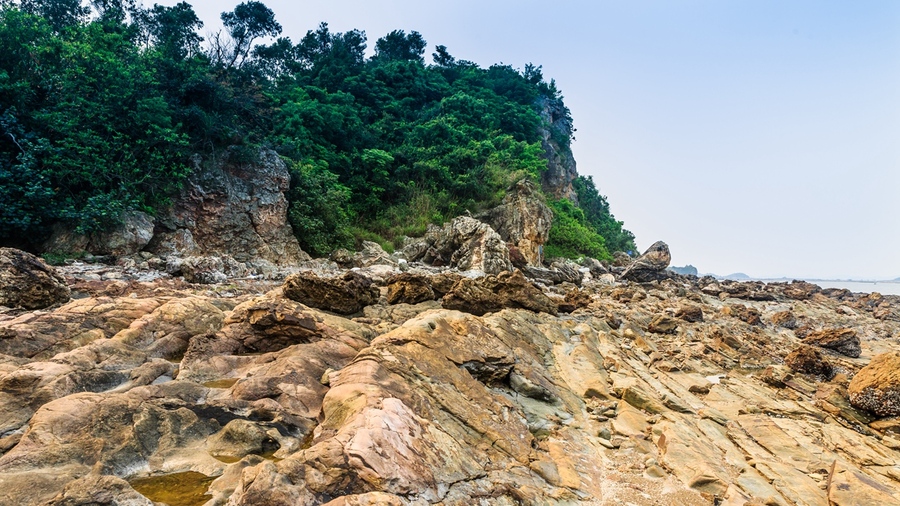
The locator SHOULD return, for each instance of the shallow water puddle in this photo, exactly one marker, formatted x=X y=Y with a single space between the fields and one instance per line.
x=221 y=383
x=177 y=489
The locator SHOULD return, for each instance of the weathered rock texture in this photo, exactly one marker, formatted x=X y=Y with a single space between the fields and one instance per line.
x=561 y=171
x=257 y=399
x=133 y=231
x=345 y=295
x=231 y=207
x=464 y=243
x=523 y=220
x=493 y=293
x=844 y=341
x=26 y=281
x=650 y=266
x=876 y=387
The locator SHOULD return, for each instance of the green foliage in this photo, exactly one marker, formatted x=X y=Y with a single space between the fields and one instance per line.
x=318 y=209
x=571 y=236
x=100 y=111
x=597 y=214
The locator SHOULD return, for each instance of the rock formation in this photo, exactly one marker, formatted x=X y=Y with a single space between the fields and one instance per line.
x=232 y=208
x=130 y=235
x=876 y=387
x=345 y=295
x=523 y=220
x=140 y=391
x=464 y=243
x=651 y=265
x=27 y=282
x=561 y=171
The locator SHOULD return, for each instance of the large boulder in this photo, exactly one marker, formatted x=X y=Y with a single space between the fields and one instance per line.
x=650 y=266
x=844 y=341
x=347 y=294
x=408 y=288
x=234 y=207
x=808 y=360
x=523 y=220
x=876 y=387
x=26 y=281
x=493 y=293
x=129 y=235
x=464 y=243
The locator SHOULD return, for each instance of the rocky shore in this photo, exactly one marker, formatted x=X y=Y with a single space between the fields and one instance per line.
x=379 y=381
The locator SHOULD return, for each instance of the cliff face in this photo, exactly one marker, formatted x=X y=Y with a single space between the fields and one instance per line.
x=561 y=171
x=232 y=208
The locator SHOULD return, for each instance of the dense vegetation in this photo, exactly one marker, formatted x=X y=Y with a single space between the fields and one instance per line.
x=101 y=108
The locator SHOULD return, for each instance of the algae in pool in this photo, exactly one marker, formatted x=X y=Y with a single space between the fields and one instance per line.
x=221 y=383
x=177 y=489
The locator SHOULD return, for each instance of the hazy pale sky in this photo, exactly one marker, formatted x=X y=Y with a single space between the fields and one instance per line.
x=754 y=136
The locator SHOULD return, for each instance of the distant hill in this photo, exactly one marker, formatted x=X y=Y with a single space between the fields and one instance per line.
x=687 y=270
x=737 y=276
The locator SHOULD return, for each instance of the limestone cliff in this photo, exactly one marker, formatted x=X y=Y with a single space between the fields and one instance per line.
x=557 y=127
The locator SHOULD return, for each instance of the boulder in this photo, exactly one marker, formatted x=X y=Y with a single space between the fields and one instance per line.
x=210 y=269
x=129 y=235
x=231 y=206
x=663 y=324
x=785 y=319
x=559 y=272
x=495 y=292
x=689 y=313
x=344 y=295
x=650 y=266
x=876 y=387
x=844 y=341
x=464 y=243
x=523 y=220
x=575 y=299
x=408 y=288
x=808 y=360
x=595 y=266
x=800 y=290
x=26 y=281
x=240 y=438
x=746 y=314
x=371 y=254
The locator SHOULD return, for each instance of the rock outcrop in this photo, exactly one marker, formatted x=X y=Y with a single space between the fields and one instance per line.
x=523 y=220
x=345 y=295
x=844 y=341
x=139 y=392
x=650 y=266
x=561 y=171
x=464 y=243
x=27 y=282
x=130 y=235
x=231 y=207
x=876 y=387
x=493 y=293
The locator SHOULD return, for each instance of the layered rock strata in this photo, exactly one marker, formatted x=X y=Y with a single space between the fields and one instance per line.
x=654 y=393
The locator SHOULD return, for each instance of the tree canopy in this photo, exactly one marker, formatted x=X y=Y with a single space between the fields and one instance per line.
x=102 y=107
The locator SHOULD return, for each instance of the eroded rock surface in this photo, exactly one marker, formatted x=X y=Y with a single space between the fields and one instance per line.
x=346 y=294
x=27 y=282
x=650 y=266
x=646 y=394
x=464 y=243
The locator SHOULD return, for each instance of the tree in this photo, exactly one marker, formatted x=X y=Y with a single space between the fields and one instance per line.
x=397 y=45
x=442 y=58
x=246 y=23
x=60 y=14
x=173 y=30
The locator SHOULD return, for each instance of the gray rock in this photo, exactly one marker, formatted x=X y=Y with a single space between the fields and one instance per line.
x=523 y=220
x=651 y=265
x=231 y=207
x=464 y=243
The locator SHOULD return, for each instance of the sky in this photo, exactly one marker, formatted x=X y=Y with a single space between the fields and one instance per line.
x=751 y=136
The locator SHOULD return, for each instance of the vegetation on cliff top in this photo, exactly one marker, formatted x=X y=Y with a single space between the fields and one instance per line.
x=100 y=110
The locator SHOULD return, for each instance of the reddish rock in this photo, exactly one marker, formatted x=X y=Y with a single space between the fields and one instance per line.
x=876 y=387
x=844 y=341
x=808 y=360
